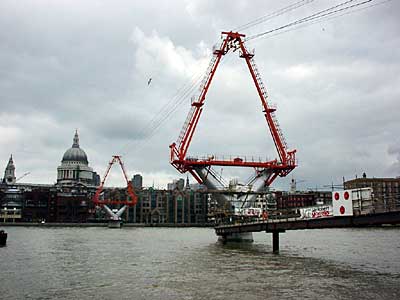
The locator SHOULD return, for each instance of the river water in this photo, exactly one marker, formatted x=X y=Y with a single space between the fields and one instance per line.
x=188 y=263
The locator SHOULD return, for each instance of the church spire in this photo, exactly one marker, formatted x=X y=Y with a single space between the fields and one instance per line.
x=9 y=173
x=76 y=140
x=10 y=165
x=187 y=183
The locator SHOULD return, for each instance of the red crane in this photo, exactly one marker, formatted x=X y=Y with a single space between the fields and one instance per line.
x=287 y=161
x=130 y=191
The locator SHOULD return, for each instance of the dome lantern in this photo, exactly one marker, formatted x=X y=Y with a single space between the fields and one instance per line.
x=75 y=143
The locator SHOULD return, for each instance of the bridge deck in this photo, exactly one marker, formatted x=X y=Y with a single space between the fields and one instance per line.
x=276 y=225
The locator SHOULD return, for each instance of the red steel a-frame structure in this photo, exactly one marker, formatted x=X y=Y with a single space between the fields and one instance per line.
x=178 y=155
x=132 y=197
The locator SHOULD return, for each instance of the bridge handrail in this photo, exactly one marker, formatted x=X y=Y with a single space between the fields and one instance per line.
x=286 y=219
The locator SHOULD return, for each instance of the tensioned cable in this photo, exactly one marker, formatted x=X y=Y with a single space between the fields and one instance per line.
x=272 y=15
x=166 y=111
x=187 y=87
x=149 y=129
x=323 y=13
x=322 y=20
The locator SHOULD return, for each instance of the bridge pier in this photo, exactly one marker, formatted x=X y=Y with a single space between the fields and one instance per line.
x=114 y=224
x=275 y=240
x=237 y=237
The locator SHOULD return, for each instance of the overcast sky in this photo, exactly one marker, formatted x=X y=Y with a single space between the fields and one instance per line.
x=85 y=65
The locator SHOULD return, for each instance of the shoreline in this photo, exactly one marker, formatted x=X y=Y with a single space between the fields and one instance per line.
x=170 y=225
x=138 y=225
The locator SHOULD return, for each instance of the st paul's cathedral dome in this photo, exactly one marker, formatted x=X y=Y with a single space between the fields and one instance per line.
x=74 y=166
x=75 y=153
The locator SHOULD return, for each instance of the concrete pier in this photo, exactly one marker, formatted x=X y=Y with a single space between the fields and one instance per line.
x=275 y=241
x=114 y=224
x=244 y=237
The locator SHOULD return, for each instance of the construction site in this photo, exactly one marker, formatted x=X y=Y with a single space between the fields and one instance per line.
x=80 y=195
x=200 y=149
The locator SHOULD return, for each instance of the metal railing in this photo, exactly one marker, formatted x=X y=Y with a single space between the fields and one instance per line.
x=288 y=215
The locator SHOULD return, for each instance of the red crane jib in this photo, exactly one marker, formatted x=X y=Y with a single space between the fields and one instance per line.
x=287 y=159
x=132 y=197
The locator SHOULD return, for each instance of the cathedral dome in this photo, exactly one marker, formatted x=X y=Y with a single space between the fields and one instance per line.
x=75 y=153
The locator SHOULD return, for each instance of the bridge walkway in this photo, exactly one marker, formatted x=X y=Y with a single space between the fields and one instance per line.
x=275 y=226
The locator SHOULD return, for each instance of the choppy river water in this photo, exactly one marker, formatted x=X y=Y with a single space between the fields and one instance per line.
x=189 y=263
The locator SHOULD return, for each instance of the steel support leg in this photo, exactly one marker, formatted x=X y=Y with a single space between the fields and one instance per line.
x=275 y=241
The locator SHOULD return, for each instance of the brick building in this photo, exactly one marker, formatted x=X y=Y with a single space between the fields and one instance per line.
x=169 y=206
x=386 y=191
x=302 y=199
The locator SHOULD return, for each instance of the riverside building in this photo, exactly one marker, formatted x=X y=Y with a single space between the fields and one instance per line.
x=70 y=198
x=386 y=191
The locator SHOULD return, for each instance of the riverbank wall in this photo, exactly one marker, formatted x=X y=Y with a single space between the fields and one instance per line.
x=172 y=225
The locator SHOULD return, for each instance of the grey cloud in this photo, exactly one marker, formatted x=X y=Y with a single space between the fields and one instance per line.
x=394 y=150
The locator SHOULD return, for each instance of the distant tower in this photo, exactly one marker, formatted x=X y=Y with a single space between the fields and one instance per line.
x=187 y=183
x=9 y=173
x=137 y=182
x=180 y=184
x=293 y=186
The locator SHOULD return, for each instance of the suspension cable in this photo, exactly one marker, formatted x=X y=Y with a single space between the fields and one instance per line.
x=321 y=14
x=272 y=15
x=180 y=96
x=187 y=89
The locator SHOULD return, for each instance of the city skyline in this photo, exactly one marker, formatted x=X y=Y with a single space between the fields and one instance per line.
x=88 y=66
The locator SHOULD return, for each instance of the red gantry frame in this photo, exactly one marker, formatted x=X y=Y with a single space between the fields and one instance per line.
x=130 y=191
x=287 y=161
